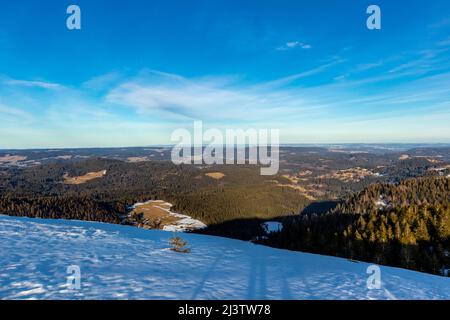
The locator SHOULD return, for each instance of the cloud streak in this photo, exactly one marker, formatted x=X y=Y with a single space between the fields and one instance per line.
x=38 y=84
x=212 y=99
x=294 y=44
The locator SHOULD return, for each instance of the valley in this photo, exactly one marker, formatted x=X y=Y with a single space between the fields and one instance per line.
x=316 y=196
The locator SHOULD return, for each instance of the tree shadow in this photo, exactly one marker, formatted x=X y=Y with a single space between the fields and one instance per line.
x=319 y=207
x=325 y=236
x=207 y=274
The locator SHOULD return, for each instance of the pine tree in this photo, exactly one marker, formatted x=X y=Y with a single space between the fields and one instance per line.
x=179 y=245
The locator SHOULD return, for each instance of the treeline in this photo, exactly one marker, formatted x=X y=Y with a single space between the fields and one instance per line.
x=242 y=193
x=425 y=191
x=40 y=191
x=60 y=208
x=405 y=225
x=219 y=204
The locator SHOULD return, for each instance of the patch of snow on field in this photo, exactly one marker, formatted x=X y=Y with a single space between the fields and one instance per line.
x=184 y=222
x=123 y=262
x=272 y=226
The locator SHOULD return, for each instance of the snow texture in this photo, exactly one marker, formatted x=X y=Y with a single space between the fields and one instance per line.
x=123 y=262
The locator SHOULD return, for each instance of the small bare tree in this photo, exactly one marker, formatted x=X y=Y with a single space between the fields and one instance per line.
x=179 y=245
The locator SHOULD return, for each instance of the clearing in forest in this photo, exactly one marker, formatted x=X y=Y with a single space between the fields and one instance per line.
x=215 y=175
x=83 y=179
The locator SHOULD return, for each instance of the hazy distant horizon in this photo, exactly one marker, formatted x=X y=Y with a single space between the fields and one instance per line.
x=400 y=145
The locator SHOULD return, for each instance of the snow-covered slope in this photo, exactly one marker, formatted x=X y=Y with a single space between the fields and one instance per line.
x=126 y=262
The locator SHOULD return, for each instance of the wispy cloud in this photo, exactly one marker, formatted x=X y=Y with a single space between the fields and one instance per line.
x=424 y=61
x=302 y=75
x=8 y=112
x=39 y=84
x=279 y=100
x=102 y=82
x=293 y=45
x=211 y=99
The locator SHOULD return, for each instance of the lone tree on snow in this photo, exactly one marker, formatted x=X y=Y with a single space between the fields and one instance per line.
x=179 y=245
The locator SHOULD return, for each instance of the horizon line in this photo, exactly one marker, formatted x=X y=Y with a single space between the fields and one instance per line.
x=442 y=144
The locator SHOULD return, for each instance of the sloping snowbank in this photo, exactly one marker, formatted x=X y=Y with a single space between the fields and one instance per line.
x=127 y=262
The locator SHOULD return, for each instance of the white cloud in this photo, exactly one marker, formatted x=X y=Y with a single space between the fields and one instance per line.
x=210 y=98
x=15 y=113
x=294 y=44
x=102 y=82
x=302 y=75
x=39 y=84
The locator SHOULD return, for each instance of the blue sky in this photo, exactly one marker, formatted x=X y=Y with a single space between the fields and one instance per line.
x=140 y=69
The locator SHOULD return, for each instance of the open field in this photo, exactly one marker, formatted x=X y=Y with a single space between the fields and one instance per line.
x=215 y=175
x=156 y=214
x=85 y=178
x=302 y=190
x=12 y=159
x=349 y=175
x=136 y=159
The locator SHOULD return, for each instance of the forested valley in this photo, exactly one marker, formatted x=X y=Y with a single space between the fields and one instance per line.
x=391 y=208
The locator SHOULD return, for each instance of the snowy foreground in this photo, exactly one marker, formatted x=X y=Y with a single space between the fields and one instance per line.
x=119 y=262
